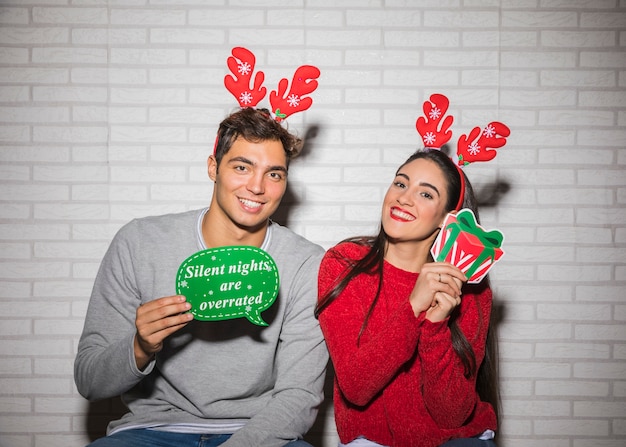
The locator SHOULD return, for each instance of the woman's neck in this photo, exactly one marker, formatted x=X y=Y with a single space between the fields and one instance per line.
x=408 y=256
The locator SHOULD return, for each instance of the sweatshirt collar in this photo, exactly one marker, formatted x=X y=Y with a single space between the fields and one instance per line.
x=200 y=238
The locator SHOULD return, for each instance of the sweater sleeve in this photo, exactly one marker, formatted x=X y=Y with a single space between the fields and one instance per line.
x=105 y=364
x=449 y=396
x=363 y=367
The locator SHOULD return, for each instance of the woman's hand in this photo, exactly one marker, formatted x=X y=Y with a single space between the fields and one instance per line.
x=437 y=290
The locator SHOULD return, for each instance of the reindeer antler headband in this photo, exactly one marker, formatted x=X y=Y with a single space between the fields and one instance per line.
x=434 y=128
x=284 y=104
x=249 y=91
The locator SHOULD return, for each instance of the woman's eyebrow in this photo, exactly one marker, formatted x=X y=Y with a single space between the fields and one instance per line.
x=426 y=184
x=433 y=187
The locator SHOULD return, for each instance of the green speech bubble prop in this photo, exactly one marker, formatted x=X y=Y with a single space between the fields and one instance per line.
x=229 y=282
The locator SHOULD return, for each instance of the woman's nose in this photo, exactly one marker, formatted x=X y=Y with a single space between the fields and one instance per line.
x=405 y=198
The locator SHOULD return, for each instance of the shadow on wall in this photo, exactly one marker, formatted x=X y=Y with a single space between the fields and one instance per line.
x=100 y=413
x=281 y=215
x=317 y=434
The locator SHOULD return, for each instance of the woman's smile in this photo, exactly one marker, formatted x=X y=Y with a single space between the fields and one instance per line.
x=401 y=215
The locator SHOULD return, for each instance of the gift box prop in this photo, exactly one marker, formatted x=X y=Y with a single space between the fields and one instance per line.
x=464 y=243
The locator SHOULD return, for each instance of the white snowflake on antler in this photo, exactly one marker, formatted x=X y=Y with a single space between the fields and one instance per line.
x=489 y=131
x=244 y=68
x=435 y=113
x=245 y=98
x=473 y=148
x=293 y=100
x=429 y=138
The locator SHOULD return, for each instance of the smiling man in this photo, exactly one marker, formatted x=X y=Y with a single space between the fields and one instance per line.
x=188 y=382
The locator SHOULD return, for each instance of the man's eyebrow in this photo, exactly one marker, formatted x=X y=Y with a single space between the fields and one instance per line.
x=241 y=159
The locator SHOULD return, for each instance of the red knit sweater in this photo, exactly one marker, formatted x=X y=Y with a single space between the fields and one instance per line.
x=401 y=384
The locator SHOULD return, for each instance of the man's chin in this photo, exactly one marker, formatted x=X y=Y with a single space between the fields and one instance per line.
x=252 y=226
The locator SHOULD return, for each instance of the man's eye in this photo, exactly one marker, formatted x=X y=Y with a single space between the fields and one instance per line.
x=276 y=175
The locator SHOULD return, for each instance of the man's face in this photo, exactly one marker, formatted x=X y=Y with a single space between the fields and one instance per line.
x=249 y=182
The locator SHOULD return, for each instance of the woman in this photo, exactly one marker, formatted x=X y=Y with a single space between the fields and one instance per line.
x=407 y=336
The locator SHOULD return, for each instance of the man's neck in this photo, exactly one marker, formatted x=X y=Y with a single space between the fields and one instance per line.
x=219 y=231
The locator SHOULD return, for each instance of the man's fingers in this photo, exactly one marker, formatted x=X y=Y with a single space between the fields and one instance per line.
x=160 y=318
x=162 y=308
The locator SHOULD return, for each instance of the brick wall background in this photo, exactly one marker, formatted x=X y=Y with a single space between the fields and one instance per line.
x=108 y=110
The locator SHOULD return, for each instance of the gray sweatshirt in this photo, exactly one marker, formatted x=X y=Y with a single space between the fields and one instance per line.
x=263 y=383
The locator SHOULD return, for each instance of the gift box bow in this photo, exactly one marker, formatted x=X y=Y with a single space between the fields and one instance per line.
x=490 y=241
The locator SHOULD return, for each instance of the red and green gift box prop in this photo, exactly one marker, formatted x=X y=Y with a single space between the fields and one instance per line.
x=464 y=243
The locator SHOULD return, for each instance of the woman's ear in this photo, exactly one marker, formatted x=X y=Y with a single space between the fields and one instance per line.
x=453 y=212
x=212 y=167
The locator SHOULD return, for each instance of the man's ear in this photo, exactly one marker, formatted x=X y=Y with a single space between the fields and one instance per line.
x=212 y=167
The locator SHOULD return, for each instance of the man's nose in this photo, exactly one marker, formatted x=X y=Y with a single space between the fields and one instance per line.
x=256 y=184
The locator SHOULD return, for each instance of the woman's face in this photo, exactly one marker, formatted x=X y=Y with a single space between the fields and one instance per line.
x=414 y=205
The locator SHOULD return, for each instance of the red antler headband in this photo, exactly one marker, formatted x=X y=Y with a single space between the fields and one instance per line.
x=249 y=92
x=284 y=103
x=434 y=129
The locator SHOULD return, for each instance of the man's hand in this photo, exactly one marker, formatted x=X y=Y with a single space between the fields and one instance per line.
x=155 y=321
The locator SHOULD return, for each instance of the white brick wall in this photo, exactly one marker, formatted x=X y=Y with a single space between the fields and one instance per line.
x=108 y=110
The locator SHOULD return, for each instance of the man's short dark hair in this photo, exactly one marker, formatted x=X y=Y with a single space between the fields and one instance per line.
x=254 y=125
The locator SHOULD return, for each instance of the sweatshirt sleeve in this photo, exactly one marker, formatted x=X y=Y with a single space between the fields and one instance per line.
x=105 y=364
x=449 y=396
x=363 y=366
x=300 y=368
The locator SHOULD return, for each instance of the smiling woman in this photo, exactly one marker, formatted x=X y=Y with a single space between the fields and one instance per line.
x=406 y=335
x=414 y=207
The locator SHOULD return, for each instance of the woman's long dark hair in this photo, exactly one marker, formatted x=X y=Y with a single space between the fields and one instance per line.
x=372 y=264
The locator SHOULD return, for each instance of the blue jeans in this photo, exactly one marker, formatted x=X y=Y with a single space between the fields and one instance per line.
x=153 y=438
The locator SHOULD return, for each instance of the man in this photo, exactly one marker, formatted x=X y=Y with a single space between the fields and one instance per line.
x=189 y=382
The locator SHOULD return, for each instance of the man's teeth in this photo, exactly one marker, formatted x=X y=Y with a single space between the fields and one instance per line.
x=250 y=203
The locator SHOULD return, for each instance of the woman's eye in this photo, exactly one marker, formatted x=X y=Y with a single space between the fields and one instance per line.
x=399 y=184
x=427 y=195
